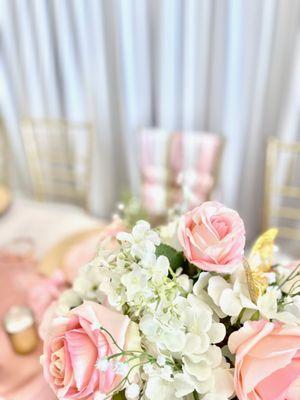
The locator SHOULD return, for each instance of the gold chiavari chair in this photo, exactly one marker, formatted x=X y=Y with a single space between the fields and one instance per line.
x=282 y=191
x=59 y=159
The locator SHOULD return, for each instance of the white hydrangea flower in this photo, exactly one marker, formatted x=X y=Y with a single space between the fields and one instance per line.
x=183 y=385
x=223 y=386
x=196 y=345
x=172 y=340
x=198 y=315
x=88 y=282
x=134 y=281
x=168 y=234
x=158 y=388
x=160 y=269
x=68 y=299
x=141 y=240
x=185 y=283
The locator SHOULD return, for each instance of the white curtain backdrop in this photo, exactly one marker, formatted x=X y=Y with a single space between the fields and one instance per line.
x=227 y=66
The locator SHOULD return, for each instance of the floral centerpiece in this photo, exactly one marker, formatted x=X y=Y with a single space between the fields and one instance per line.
x=178 y=312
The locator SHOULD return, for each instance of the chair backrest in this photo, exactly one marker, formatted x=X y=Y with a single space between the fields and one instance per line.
x=177 y=168
x=282 y=190
x=59 y=159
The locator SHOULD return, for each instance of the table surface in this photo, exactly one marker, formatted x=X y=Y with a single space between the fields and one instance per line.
x=44 y=223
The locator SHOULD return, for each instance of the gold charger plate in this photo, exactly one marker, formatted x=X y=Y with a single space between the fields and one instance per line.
x=5 y=198
x=53 y=259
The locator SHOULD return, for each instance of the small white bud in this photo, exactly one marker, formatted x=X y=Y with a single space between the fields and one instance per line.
x=132 y=391
x=161 y=360
x=102 y=364
x=148 y=368
x=121 y=368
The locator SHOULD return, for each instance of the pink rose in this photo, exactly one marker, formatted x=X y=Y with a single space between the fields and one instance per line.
x=73 y=344
x=267 y=364
x=212 y=237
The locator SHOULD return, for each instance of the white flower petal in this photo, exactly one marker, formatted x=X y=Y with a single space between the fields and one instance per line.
x=223 y=382
x=200 y=370
x=183 y=385
x=185 y=282
x=216 y=286
x=217 y=332
x=214 y=356
x=214 y=396
x=158 y=388
x=203 y=387
x=230 y=304
x=196 y=345
x=174 y=341
x=124 y=237
x=140 y=229
x=201 y=282
x=267 y=304
x=162 y=265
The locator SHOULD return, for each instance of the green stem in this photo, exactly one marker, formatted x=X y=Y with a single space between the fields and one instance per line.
x=125 y=353
x=112 y=338
x=291 y=276
x=125 y=379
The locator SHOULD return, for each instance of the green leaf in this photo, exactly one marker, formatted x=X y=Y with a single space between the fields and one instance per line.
x=175 y=257
x=119 y=396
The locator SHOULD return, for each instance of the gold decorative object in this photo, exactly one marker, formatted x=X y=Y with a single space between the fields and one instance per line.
x=259 y=262
x=20 y=327
x=5 y=198
x=5 y=192
x=282 y=188
x=256 y=280
x=59 y=159
x=55 y=256
x=261 y=256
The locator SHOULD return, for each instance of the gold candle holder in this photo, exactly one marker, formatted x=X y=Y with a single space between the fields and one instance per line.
x=20 y=327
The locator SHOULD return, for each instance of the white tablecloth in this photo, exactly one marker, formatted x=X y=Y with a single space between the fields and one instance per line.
x=44 y=223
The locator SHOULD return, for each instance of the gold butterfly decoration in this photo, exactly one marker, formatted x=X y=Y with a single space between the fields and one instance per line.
x=259 y=262
x=256 y=280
